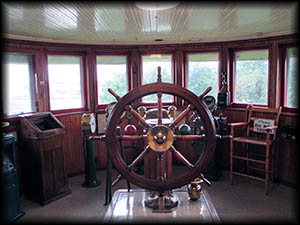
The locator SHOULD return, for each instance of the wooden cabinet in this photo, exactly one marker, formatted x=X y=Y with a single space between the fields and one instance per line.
x=42 y=158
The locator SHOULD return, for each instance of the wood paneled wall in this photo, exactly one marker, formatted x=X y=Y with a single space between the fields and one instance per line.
x=73 y=146
x=73 y=143
x=288 y=155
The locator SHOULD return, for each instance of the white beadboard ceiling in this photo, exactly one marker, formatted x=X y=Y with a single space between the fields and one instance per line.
x=123 y=23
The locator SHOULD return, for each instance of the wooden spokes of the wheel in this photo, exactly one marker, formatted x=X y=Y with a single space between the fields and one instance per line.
x=160 y=135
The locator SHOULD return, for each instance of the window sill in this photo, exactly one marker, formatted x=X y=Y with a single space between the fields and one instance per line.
x=67 y=111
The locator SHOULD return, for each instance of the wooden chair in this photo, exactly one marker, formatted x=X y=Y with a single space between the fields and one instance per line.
x=260 y=130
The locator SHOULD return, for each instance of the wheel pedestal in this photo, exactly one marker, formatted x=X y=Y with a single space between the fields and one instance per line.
x=161 y=202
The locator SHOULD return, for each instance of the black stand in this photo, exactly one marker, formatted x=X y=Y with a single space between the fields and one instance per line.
x=90 y=167
x=10 y=210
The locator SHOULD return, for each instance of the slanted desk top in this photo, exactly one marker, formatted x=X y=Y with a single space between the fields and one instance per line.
x=130 y=207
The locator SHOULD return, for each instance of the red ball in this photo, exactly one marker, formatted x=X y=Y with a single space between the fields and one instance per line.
x=130 y=130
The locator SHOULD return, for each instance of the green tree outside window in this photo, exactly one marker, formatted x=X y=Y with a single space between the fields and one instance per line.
x=292 y=78
x=111 y=73
x=251 y=77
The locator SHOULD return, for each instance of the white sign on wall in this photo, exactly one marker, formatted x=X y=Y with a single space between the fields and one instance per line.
x=260 y=125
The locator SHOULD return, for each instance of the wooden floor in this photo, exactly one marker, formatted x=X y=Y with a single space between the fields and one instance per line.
x=244 y=201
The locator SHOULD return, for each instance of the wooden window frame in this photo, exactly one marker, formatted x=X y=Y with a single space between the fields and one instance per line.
x=128 y=77
x=84 y=81
x=232 y=68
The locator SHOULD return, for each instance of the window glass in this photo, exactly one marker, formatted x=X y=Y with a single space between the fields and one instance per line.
x=203 y=70
x=65 y=82
x=251 y=77
x=150 y=65
x=111 y=73
x=18 y=89
x=292 y=78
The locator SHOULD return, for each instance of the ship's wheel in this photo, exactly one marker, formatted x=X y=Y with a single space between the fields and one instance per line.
x=160 y=137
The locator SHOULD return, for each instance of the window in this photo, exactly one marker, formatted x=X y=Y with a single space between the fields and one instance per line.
x=111 y=73
x=149 y=65
x=19 y=87
x=203 y=72
x=291 y=78
x=65 y=82
x=251 y=75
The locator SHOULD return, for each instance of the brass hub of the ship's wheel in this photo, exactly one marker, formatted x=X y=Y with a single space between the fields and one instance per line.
x=158 y=137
